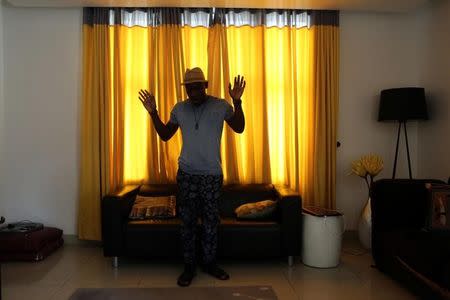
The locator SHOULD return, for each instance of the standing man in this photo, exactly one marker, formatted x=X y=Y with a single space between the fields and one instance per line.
x=199 y=176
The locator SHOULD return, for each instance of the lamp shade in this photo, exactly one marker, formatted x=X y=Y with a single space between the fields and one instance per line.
x=402 y=104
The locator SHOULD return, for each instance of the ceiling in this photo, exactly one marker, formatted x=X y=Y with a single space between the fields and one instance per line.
x=349 y=5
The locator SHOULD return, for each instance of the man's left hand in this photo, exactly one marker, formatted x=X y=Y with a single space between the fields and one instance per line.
x=238 y=88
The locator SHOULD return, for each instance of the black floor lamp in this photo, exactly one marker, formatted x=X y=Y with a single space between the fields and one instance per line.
x=402 y=105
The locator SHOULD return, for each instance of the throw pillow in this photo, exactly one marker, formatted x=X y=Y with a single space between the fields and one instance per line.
x=162 y=207
x=256 y=210
x=439 y=206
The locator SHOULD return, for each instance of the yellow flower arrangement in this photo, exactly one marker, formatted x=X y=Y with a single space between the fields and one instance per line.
x=367 y=167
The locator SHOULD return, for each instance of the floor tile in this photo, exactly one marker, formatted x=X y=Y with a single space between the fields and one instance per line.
x=84 y=266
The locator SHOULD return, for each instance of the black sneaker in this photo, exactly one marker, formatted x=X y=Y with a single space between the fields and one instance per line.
x=214 y=270
x=186 y=277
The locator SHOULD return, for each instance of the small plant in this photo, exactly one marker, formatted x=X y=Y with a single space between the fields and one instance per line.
x=367 y=167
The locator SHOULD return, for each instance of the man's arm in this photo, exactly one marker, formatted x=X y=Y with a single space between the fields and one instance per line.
x=237 y=121
x=165 y=131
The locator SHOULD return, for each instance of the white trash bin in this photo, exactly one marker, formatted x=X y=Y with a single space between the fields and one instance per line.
x=322 y=237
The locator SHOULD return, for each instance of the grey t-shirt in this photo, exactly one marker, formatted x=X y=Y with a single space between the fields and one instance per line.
x=200 y=153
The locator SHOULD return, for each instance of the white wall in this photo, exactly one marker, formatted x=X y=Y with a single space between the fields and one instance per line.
x=434 y=134
x=377 y=51
x=2 y=107
x=42 y=49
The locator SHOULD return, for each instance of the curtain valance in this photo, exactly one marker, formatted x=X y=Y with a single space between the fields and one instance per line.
x=206 y=17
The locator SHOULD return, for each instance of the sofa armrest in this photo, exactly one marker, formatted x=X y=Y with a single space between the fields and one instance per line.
x=115 y=208
x=290 y=213
x=399 y=207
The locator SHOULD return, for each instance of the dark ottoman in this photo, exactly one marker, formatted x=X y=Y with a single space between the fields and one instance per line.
x=30 y=246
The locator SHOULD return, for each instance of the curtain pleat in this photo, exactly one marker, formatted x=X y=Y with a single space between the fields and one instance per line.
x=246 y=55
x=116 y=108
x=170 y=68
x=219 y=78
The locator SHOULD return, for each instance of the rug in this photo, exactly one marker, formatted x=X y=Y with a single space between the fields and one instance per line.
x=189 y=293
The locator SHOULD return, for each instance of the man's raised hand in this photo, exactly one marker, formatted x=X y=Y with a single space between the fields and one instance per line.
x=238 y=88
x=148 y=100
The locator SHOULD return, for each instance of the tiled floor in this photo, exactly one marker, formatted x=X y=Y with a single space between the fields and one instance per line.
x=83 y=265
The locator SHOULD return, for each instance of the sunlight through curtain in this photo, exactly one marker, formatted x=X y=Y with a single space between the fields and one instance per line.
x=289 y=59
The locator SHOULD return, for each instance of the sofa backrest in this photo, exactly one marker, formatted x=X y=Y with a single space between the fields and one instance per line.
x=151 y=190
x=399 y=203
x=233 y=195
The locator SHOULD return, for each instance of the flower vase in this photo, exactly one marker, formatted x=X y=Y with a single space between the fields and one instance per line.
x=365 y=226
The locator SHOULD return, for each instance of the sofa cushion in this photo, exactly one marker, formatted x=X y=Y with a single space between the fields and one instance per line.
x=257 y=210
x=249 y=238
x=149 y=223
x=234 y=195
x=176 y=222
x=230 y=199
x=161 y=207
x=153 y=238
x=233 y=222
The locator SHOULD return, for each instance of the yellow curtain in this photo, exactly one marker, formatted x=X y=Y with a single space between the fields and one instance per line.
x=147 y=58
x=324 y=112
x=290 y=105
x=246 y=52
x=152 y=58
x=219 y=77
x=101 y=159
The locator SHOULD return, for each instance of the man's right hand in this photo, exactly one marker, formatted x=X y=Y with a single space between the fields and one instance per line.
x=165 y=131
x=148 y=100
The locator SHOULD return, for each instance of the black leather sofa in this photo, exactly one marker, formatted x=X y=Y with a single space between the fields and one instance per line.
x=402 y=247
x=275 y=237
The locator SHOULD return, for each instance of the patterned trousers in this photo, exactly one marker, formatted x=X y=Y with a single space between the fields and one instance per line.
x=198 y=198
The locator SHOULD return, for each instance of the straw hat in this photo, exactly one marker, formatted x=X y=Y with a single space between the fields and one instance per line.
x=194 y=75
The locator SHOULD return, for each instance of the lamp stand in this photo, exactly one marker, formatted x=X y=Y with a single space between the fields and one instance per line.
x=400 y=123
